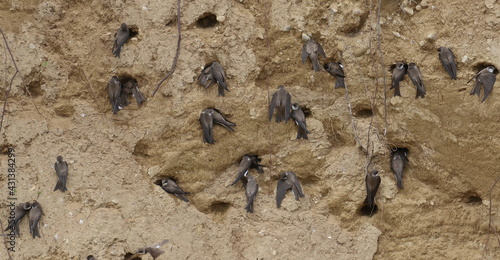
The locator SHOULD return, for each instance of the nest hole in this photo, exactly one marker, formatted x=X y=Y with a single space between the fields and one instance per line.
x=219 y=207
x=131 y=256
x=472 y=198
x=365 y=210
x=364 y=113
x=134 y=31
x=481 y=65
x=207 y=20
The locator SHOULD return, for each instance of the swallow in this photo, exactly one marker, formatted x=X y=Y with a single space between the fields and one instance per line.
x=337 y=70
x=288 y=180
x=132 y=88
x=210 y=116
x=416 y=78
x=398 y=74
x=34 y=217
x=153 y=250
x=171 y=187
x=312 y=49
x=19 y=212
x=120 y=38
x=248 y=161
x=282 y=100
x=212 y=73
x=486 y=77
x=61 y=167
x=251 y=189
x=114 y=92
x=372 y=182
x=398 y=161
x=448 y=60
x=300 y=119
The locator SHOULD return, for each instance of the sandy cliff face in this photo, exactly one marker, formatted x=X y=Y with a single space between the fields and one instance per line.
x=113 y=206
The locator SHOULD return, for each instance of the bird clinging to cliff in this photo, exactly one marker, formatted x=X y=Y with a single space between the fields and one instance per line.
x=19 y=212
x=120 y=38
x=210 y=116
x=282 y=102
x=448 y=60
x=214 y=73
x=61 y=168
x=251 y=189
x=114 y=92
x=416 y=78
x=171 y=187
x=372 y=181
x=300 y=119
x=398 y=74
x=288 y=180
x=337 y=70
x=34 y=217
x=313 y=49
x=486 y=78
x=399 y=158
x=248 y=161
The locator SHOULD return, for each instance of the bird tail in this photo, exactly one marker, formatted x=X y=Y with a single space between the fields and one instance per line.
x=340 y=82
x=397 y=91
x=249 y=206
x=61 y=184
x=420 y=92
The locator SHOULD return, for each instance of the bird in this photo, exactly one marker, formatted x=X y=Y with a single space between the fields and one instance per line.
x=171 y=187
x=398 y=161
x=486 y=77
x=281 y=100
x=120 y=38
x=288 y=180
x=130 y=87
x=210 y=116
x=213 y=73
x=114 y=92
x=313 y=49
x=372 y=182
x=34 y=216
x=251 y=189
x=19 y=212
x=337 y=70
x=448 y=60
x=153 y=250
x=398 y=74
x=61 y=167
x=300 y=119
x=248 y=161
x=416 y=78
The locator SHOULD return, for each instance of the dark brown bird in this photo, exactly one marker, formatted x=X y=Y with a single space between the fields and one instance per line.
x=210 y=116
x=19 y=212
x=300 y=119
x=247 y=162
x=213 y=73
x=251 y=189
x=398 y=74
x=313 y=49
x=448 y=60
x=131 y=86
x=114 y=92
x=416 y=78
x=61 y=167
x=398 y=161
x=288 y=180
x=34 y=217
x=372 y=182
x=120 y=38
x=171 y=187
x=486 y=78
x=337 y=70
x=282 y=102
